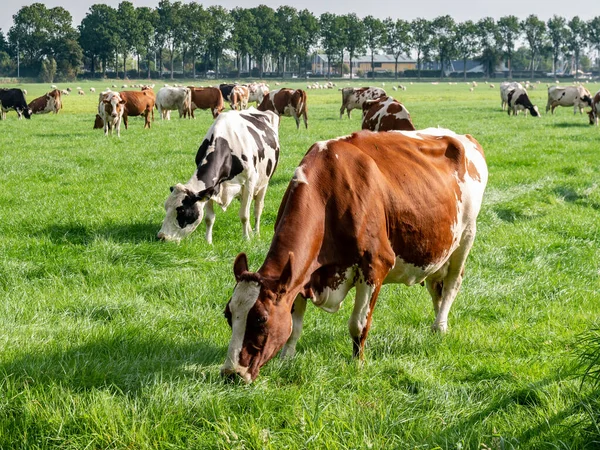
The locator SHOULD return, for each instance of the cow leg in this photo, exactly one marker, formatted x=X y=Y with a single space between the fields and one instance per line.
x=125 y=122
x=360 y=320
x=342 y=112
x=296 y=118
x=450 y=284
x=305 y=118
x=245 y=209
x=289 y=349
x=209 y=220
x=259 y=203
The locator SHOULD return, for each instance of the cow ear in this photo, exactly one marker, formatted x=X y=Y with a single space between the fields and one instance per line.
x=286 y=275
x=122 y=102
x=172 y=188
x=240 y=266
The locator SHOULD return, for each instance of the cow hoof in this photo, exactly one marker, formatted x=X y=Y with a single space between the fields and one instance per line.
x=440 y=328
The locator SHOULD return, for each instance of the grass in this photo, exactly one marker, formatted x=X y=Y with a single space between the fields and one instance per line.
x=110 y=339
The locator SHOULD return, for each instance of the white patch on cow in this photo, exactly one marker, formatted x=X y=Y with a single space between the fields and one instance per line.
x=299 y=176
x=331 y=298
x=245 y=296
x=362 y=306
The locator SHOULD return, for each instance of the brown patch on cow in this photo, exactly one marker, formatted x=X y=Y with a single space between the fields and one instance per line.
x=477 y=145
x=389 y=123
x=206 y=98
x=138 y=103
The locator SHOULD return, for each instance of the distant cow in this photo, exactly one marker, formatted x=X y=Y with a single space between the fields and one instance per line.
x=256 y=92
x=386 y=114
x=505 y=88
x=206 y=98
x=519 y=100
x=236 y=159
x=50 y=102
x=226 y=89
x=239 y=97
x=138 y=104
x=171 y=98
x=110 y=110
x=353 y=98
x=287 y=102
x=595 y=111
x=360 y=211
x=576 y=96
x=13 y=99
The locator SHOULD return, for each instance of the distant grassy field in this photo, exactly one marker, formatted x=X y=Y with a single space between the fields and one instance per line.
x=110 y=339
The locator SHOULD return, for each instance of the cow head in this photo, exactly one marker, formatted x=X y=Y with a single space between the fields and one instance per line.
x=592 y=116
x=184 y=211
x=588 y=99
x=27 y=112
x=113 y=105
x=259 y=314
x=535 y=112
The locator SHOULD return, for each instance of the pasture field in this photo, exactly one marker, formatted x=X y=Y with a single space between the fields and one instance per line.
x=112 y=339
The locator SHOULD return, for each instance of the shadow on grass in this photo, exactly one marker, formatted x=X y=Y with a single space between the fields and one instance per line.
x=78 y=234
x=124 y=362
x=570 y=195
x=572 y=124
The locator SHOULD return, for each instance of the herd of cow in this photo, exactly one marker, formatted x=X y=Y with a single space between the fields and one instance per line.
x=389 y=204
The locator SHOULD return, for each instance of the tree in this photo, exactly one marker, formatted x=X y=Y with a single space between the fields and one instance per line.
x=421 y=33
x=169 y=21
x=594 y=35
x=487 y=31
x=129 y=31
x=508 y=32
x=308 y=35
x=148 y=20
x=398 y=39
x=243 y=34
x=331 y=37
x=268 y=35
x=558 y=33
x=48 y=71
x=576 y=40
x=444 y=40
x=98 y=34
x=535 y=34
x=354 y=32
x=374 y=37
x=289 y=24
x=468 y=43
x=218 y=25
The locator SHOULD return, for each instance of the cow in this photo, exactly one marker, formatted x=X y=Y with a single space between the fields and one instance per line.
x=206 y=98
x=170 y=98
x=519 y=100
x=385 y=114
x=360 y=211
x=287 y=102
x=256 y=92
x=239 y=97
x=226 y=89
x=50 y=102
x=138 y=104
x=353 y=98
x=594 y=113
x=236 y=159
x=13 y=98
x=576 y=96
x=505 y=88
x=110 y=110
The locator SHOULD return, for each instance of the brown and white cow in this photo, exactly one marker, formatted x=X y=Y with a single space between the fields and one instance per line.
x=139 y=104
x=287 y=102
x=239 y=97
x=594 y=113
x=360 y=211
x=256 y=92
x=576 y=96
x=206 y=98
x=171 y=98
x=110 y=110
x=50 y=102
x=353 y=98
x=386 y=114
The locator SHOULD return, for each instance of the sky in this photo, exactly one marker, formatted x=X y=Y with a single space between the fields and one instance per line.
x=460 y=10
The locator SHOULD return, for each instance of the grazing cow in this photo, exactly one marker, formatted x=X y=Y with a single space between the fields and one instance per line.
x=226 y=89
x=50 y=102
x=13 y=99
x=385 y=114
x=287 y=102
x=594 y=114
x=237 y=158
x=206 y=98
x=92 y=89
x=239 y=97
x=170 y=98
x=138 y=104
x=110 y=110
x=505 y=88
x=353 y=98
x=576 y=96
x=358 y=213
x=519 y=100
x=256 y=92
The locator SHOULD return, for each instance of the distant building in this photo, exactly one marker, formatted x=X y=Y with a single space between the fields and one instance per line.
x=382 y=63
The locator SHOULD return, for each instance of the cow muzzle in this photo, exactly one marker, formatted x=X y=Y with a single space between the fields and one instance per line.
x=231 y=375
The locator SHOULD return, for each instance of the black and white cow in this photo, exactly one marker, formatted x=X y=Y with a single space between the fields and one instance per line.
x=13 y=99
x=519 y=100
x=237 y=158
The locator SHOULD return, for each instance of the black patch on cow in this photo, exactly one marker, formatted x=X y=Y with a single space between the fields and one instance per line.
x=587 y=99
x=254 y=160
x=187 y=213
x=226 y=90
x=259 y=144
x=245 y=158
x=524 y=101
x=259 y=122
x=220 y=165
x=269 y=167
x=236 y=167
x=256 y=119
x=201 y=154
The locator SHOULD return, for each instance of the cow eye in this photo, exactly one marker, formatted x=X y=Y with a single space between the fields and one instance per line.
x=261 y=319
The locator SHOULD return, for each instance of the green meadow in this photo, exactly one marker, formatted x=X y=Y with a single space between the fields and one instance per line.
x=110 y=339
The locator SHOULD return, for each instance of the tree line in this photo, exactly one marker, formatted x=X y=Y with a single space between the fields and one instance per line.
x=191 y=39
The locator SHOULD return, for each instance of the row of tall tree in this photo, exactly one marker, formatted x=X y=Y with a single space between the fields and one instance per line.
x=48 y=45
